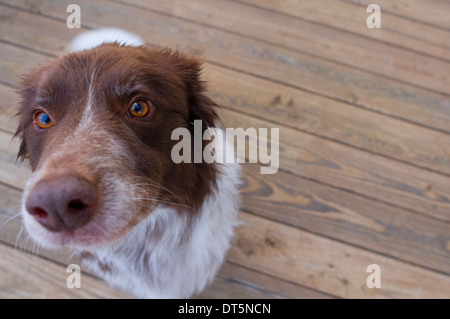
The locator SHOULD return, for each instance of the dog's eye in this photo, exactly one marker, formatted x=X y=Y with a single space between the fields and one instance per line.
x=139 y=109
x=42 y=120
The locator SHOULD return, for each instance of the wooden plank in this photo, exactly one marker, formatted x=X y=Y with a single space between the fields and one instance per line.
x=12 y=173
x=233 y=281
x=327 y=265
x=269 y=243
x=347 y=275
x=317 y=40
x=357 y=171
x=315 y=262
x=433 y=12
x=244 y=283
x=324 y=117
x=245 y=197
x=233 y=290
x=9 y=101
x=311 y=113
x=322 y=210
x=348 y=218
x=334 y=164
x=264 y=60
x=394 y=30
x=436 y=201
x=53 y=31
x=16 y=63
x=329 y=118
x=27 y=276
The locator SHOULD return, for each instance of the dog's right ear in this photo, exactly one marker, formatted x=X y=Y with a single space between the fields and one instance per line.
x=201 y=106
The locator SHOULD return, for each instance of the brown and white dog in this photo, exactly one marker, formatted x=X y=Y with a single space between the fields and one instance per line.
x=96 y=128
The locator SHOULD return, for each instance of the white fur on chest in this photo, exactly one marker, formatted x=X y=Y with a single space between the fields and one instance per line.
x=165 y=256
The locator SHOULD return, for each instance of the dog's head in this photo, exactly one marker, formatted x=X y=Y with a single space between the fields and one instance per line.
x=96 y=128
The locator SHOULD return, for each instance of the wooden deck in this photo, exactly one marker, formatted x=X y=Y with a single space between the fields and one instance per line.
x=364 y=119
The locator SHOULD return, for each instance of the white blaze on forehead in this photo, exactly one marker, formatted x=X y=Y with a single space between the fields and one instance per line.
x=89 y=134
x=87 y=116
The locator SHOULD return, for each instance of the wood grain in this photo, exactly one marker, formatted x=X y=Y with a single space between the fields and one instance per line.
x=348 y=218
x=432 y=12
x=357 y=171
x=326 y=161
x=233 y=281
x=246 y=283
x=303 y=36
x=263 y=60
x=331 y=119
x=327 y=265
x=395 y=29
x=427 y=196
x=312 y=113
x=363 y=149
x=322 y=210
x=322 y=160
x=16 y=63
x=305 y=256
x=12 y=173
x=9 y=100
x=29 y=276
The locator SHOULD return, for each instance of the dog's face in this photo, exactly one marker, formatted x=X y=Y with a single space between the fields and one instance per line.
x=96 y=128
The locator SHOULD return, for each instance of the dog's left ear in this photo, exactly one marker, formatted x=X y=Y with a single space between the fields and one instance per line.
x=201 y=107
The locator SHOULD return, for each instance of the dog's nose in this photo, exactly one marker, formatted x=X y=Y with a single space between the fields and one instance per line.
x=62 y=203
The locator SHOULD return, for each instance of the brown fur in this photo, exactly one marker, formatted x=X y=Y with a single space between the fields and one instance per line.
x=169 y=81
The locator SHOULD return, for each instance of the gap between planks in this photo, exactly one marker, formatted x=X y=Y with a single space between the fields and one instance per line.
x=324 y=13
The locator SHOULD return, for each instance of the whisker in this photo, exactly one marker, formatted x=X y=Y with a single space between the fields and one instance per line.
x=159 y=186
x=19 y=234
x=9 y=219
x=72 y=255
x=33 y=248
x=37 y=250
x=24 y=246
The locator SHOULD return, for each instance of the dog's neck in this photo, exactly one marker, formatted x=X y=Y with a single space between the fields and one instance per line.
x=168 y=252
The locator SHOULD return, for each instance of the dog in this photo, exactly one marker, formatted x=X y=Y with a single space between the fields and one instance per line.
x=95 y=126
